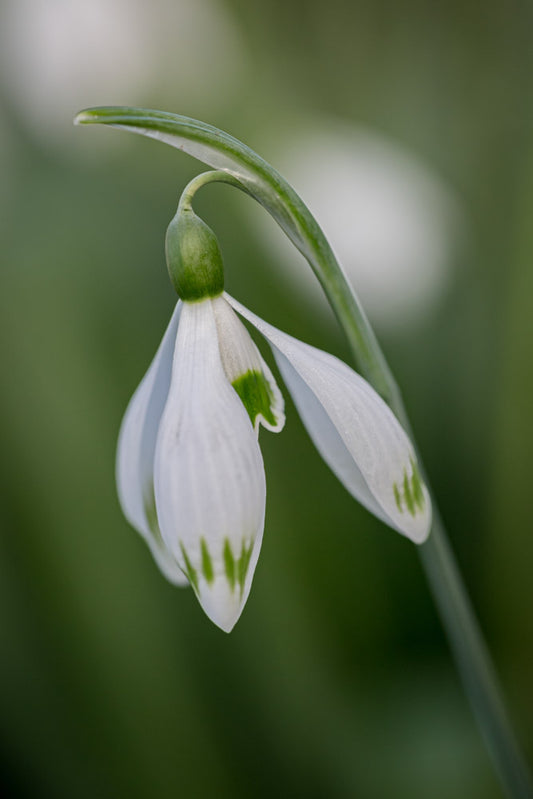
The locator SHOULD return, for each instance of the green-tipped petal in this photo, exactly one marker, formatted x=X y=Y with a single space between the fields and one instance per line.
x=209 y=478
x=354 y=430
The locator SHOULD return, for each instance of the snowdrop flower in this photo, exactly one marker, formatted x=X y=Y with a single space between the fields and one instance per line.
x=189 y=468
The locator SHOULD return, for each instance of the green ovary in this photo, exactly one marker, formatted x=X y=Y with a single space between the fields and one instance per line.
x=256 y=396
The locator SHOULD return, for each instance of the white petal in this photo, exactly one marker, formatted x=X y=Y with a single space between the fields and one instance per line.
x=354 y=430
x=209 y=478
x=247 y=371
x=136 y=449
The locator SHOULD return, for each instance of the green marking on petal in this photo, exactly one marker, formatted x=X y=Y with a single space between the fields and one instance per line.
x=256 y=396
x=229 y=564
x=207 y=563
x=150 y=513
x=190 y=571
x=410 y=494
x=416 y=486
x=407 y=495
x=149 y=509
x=397 y=497
x=243 y=563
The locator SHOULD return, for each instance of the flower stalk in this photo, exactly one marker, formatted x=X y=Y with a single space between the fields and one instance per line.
x=239 y=166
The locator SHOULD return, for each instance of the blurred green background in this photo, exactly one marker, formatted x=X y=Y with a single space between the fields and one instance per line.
x=408 y=128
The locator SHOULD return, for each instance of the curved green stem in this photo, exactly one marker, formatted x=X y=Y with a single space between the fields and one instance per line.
x=239 y=166
x=473 y=662
x=258 y=179
x=213 y=176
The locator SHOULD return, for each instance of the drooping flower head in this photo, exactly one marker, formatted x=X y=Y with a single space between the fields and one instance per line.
x=189 y=468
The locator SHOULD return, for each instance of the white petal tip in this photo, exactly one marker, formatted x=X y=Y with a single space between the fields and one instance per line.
x=222 y=583
x=273 y=427
x=221 y=602
x=419 y=536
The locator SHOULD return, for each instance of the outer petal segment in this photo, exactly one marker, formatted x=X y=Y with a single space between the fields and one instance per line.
x=136 y=450
x=354 y=430
x=209 y=478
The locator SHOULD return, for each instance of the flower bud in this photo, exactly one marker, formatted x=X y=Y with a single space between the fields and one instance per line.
x=194 y=259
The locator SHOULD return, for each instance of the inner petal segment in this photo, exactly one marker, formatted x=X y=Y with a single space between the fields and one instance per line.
x=247 y=371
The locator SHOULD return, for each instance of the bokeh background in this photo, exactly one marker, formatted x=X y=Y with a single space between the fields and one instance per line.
x=407 y=127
